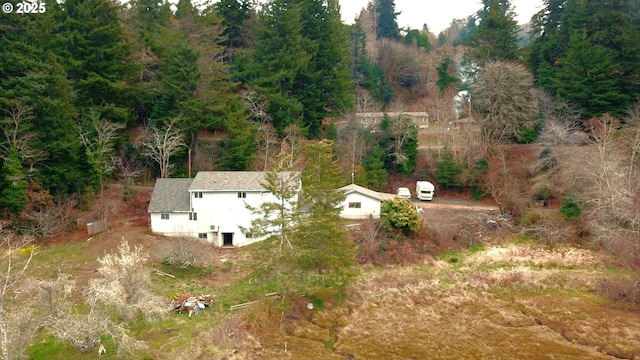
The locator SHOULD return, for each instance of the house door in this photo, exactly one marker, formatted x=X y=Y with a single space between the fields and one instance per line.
x=227 y=239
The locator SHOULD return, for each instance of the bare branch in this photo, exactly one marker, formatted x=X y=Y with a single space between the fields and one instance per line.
x=160 y=145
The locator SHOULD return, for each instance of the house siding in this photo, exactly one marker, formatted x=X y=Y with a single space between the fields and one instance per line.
x=370 y=207
x=213 y=197
x=178 y=224
x=227 y=213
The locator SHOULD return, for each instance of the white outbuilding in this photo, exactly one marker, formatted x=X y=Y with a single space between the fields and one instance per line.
x=362 y=203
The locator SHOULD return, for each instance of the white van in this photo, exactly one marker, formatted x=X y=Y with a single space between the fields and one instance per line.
x=404 y=192
x=425 y=190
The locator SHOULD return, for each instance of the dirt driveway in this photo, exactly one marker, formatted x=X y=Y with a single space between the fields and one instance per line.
x=452 y=217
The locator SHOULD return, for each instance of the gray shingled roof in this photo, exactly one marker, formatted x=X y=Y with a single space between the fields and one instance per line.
x=170 y=195
x=228 y=181
x=368 y=192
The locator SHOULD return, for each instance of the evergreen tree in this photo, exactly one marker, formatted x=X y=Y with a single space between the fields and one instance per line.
x=235 y=14
x=399 y=214
x=277 y=221
x=399 y=140
x=178 y=82
x=375 y=172
x=31 y=75
x=548 y=45
x=325 y=250
x=445 y=79
x=366 y=72
x=324 y=87
x=95 y=54
x=279 y=55
x=588 y=53
x=496 y=37
x=418 y=39
x=447 y=170
x=242 y=145
x=386 y=23
x=13 y=197
x=588 y=77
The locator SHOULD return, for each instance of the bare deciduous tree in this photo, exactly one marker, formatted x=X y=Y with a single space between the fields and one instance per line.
x=82 y=331
x=291 y=148
x=257 y=106
x=606 y=181
x=124 y=286
x=504 y=97
x=401 y=64
x=18 y=253
x=48 y=221
x=128 y=169
x=562 y=124
x=98 y=136
x=182 y=252
x=268 y=140
x=351 y=147
x=161 y=145
x=18 y=134
x=123 y=289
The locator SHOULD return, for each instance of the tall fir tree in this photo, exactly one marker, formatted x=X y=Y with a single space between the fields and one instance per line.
x=386 y=20
x=324 y=87
x=376 y=174
x=325 y=251
x=588 y=52
x=278 y=56
x=235 y=15
x=496 y=37
x=93 y=49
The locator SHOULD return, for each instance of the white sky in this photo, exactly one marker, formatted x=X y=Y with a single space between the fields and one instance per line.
x=437 y=14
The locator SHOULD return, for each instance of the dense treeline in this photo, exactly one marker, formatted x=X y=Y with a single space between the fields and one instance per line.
x=87 y=87
x=588 y=52
x=92 y=89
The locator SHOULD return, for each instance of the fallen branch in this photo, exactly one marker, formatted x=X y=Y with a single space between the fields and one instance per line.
x=162 y=273
x=272 y=295
x=243 y=305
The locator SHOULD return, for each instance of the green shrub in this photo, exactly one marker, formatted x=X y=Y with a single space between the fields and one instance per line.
x=526 y=135
x=570 y=209
x=400 y=214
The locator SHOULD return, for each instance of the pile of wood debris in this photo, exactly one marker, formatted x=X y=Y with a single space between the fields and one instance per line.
x=190 y=304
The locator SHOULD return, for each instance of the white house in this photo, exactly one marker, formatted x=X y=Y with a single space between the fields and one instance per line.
x=211 y=206
x=362 y=203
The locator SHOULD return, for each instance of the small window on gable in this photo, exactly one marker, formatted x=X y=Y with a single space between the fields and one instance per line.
x=197 y=194
x=193 y=216
x=164 y=216
x=202 y=235
x=242 y=195
x=355 y=205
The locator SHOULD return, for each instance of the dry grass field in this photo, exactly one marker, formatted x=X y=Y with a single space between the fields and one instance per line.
x=517 y=301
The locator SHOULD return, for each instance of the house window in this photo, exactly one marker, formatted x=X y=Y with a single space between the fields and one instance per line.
x=193 y=216
x=355 y=205
x=242 y=195
x=202 y=235
x=197 y=194
x=164 y=216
